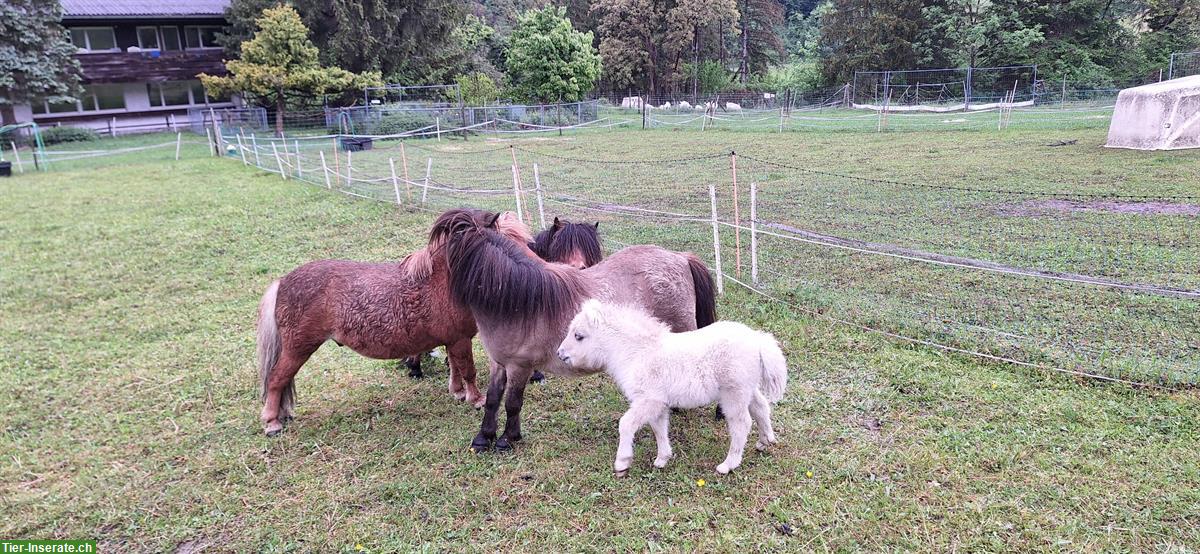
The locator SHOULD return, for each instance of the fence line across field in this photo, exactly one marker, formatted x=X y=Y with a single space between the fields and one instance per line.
x=384 y=184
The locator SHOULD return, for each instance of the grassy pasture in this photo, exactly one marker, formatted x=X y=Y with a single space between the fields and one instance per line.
x=130 y=415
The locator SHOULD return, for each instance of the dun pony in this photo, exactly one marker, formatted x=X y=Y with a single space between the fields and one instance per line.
x=380 y=310
x=741 y=369
x=574 y=244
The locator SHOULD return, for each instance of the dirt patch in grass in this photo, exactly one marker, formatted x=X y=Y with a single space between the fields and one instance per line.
x=1047 y=207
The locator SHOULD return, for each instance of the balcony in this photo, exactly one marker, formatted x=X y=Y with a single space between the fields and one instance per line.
x=150 y=65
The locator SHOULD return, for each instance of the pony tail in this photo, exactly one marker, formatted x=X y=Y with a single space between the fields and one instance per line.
x=269 y=347
x=706 y=292
x=774 y=370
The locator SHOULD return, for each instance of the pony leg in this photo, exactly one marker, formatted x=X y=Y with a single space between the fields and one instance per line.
x=661 y=438
x=413 y=363
x=760 y=410
x=278 y=404
x=487 y=429
x=512 y=407
x=638 y=415
x=739 y=431
x=462 y=372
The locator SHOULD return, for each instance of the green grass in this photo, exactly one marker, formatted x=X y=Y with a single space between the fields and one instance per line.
x=130 y=411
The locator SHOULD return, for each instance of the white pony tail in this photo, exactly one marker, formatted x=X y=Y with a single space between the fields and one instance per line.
x=269 y=345
x=774 y=370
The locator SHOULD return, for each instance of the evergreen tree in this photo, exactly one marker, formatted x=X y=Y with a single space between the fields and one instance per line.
x=867 y=35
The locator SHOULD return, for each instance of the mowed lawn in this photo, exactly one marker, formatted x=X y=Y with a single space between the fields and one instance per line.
x=130 y=415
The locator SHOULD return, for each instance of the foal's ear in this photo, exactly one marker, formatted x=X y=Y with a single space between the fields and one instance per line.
x=492 y=224
x=557 y=224
x=597 y=226
x=591 y=312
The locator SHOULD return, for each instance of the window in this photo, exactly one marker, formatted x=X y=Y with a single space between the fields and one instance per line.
x=162 y=38
x=147 y=38
x=94 y=39
x=170 y=38
x=201 y=37
x=94 y=97
x=175 y=93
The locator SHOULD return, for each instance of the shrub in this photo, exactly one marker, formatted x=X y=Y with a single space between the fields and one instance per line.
x=56 y=135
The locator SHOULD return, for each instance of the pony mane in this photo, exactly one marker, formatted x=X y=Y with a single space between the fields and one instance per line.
x=495 y=275
x=575 y=237
x=419 y=264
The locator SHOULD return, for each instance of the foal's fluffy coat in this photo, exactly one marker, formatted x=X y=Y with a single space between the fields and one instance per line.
x=741 y=369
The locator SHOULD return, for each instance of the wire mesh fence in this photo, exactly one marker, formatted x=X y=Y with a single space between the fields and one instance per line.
x=1095 y=284
x=1184 y=64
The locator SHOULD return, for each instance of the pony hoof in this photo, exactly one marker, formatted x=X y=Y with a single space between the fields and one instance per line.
x=620 y=474
x=416 y=374
x=723 y=469
x=274 y=429
x=537 y=377
x=661 y=463
x=480 y=445
x=503 y=445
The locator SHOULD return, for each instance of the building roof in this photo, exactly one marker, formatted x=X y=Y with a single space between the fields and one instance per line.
x=143 y=8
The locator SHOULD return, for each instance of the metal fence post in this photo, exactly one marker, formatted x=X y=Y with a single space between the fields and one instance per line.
x=325 y=170
x=537 y=187
x=299 y=169
x=428 y=170
x=254 y=144
x=278 y=162
x=737 y=216
x=712 y=194
x=517 y=192
x=395 y=181
x=754 y=232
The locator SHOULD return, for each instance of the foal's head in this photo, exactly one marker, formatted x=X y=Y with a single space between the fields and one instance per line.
x=574 y=244
x=601 y=329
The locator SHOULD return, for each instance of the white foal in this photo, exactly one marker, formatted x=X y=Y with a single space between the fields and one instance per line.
x=741 y=369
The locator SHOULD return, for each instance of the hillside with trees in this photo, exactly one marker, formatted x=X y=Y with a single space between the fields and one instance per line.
x=704 y=46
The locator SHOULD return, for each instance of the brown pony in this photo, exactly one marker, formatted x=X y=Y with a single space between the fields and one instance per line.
x=574 y=244
x=380 y=310
x=523 y=305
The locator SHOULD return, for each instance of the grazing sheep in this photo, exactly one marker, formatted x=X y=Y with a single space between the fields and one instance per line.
x=665 y=106
x=731 y=107
x=684 y=105
x=741 y=369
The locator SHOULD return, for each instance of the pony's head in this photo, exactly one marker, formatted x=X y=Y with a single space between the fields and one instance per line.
x=599 y=330
x=493 y=271
x=574 y=244
x=419 y=265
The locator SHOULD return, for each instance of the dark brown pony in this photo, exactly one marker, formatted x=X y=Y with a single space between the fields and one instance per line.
x=523 y=305
x=380 y=310
x=574 y=244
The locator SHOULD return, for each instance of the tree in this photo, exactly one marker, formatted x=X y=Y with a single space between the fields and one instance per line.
x=869 y=35
x=761 y=38
x=37 y=59
x=548 y=59
x=477 y=89
x=405 y=40
x=280 y=59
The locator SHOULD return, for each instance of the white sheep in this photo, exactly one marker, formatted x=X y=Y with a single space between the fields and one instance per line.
x=740 y=369
x=731 y=107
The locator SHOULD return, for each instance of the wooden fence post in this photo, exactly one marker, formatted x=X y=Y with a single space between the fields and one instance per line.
x=299 y=169
x=517 y=192
x=17 y=156
x=254 y=144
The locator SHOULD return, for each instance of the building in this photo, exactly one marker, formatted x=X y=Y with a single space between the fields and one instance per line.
x=140 y=59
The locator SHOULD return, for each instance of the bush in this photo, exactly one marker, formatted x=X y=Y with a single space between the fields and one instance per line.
x=401 y=122
x=57 y=135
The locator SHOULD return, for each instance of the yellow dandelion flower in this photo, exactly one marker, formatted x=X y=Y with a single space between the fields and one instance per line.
x=808 y=474
x=359 y=547
x=700 y=482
